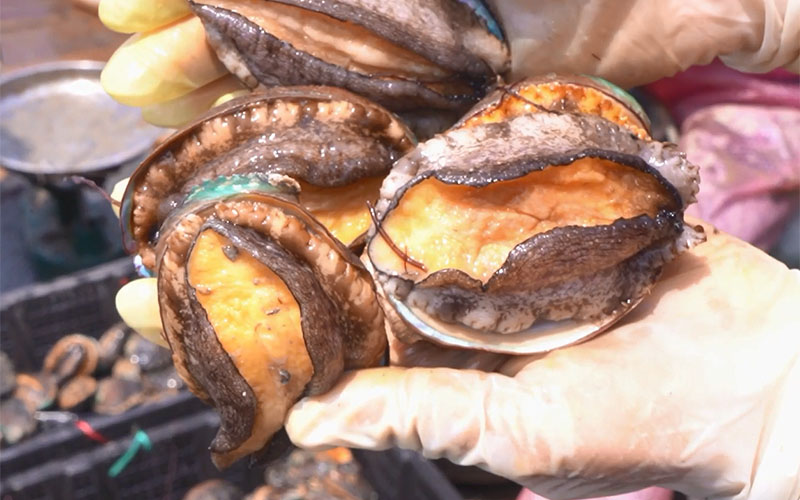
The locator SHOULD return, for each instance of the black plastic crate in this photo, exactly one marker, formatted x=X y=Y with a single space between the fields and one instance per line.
x=178 y=460
x=60 y=463
x=64 y=441
x=402 y=475
x=35 y=317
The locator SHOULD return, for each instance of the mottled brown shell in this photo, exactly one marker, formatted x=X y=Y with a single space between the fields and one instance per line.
x=342 y=324
x=320 y=135
x=234 y=192
x=415 y=54
x=553 y=93
x=72 y=355
x=556 y=287
x=77 y=393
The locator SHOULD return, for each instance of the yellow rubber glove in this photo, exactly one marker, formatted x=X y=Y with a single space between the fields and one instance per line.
x=126 y=16
x=167 y=68
x=137 y=300
x=697 y=391
x=629 y=42
x=137 y=305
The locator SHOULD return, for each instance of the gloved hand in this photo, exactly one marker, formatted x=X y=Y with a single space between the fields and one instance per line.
x=167 y=68
x=696 y=390
x=692 y=391
x=170 y=70
x=633 y=42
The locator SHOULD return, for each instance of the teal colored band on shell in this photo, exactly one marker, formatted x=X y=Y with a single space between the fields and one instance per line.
x=225 y=186
x=623 y=96
x=142 y=270
x=215 y=189
x=480 y=10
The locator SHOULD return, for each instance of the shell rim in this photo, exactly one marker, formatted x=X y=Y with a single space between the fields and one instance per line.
x=312 y=92
x=614 y=92
x=525 y=342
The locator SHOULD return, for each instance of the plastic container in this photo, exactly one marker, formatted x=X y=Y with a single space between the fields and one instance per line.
x=34 y=317
x=178 y=460
x=404 y=475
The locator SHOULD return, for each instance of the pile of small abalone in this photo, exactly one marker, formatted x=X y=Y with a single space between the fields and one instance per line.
x=289 y=229
x=83 y=375
x=302 y=475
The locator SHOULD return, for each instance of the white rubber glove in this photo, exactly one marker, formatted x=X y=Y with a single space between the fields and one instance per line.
x=696 y=391
x=629 y=42
x=633 y=42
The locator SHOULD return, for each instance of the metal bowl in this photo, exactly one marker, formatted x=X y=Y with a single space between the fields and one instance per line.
x=56 y=119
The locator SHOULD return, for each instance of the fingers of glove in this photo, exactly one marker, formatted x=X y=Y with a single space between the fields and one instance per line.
x=436 y=410
x=137 y=305
x=131 y=16
x=527 y=433
x=469 y=417
x=178 y=112
x=161 y=65
x=117 y=193
x=703 y=357
x=774 y=39
x=628 y=42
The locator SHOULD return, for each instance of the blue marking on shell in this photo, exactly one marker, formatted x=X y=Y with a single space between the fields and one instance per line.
x=625 y=97
x=480 y=9
x=225 y=186
x=141 y=269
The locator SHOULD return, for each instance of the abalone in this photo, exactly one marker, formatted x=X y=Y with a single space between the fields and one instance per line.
x=533 y=223
x=335 y=145
x=261 y=305
x=249 y=219
x=413 y=54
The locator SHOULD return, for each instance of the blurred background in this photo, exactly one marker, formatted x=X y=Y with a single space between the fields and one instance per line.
x=56 y=122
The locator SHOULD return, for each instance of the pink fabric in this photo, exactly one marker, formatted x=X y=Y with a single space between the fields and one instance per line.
x=645 y=494
x=743 y=130
x=702 y=86
x=749 y=158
